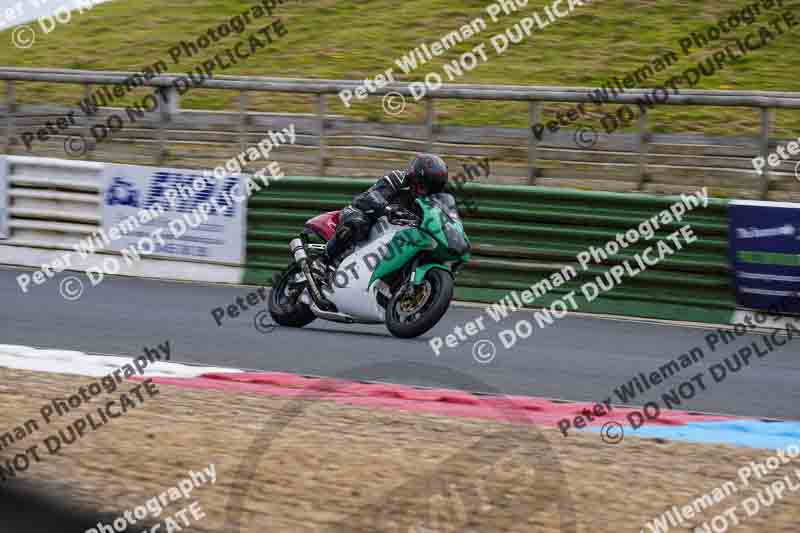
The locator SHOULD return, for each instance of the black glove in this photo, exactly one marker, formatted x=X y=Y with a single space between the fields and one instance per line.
x=397 y=214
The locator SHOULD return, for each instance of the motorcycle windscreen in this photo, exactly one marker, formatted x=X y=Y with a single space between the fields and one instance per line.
x=452 y=227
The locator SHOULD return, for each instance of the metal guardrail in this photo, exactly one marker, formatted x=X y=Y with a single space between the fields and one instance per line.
x=460 y=91
x=52 y=203
x=535 y=96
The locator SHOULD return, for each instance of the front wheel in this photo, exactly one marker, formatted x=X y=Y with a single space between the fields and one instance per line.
x=414 y=309
x=284 y=305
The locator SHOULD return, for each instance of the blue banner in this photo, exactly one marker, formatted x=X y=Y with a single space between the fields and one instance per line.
x=181 y=214
x=765 y=254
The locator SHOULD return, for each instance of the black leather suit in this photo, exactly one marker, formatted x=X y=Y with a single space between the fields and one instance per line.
x=356 y=219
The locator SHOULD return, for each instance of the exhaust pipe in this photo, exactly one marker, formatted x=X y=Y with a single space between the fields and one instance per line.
x=298 y=250
x=329 y=315
x=301 y=257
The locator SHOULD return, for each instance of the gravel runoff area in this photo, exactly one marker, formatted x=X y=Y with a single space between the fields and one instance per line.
x=284 y=464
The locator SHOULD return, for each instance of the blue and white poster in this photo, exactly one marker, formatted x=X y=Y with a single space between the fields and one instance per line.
x=765 y=253
x=177 y=213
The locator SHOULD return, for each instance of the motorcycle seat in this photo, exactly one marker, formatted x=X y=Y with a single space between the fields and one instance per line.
x=325 y=224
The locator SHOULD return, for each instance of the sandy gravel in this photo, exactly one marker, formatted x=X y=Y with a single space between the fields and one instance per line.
x=310 y=465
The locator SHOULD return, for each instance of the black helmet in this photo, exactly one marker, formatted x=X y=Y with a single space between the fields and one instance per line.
x=429 y=173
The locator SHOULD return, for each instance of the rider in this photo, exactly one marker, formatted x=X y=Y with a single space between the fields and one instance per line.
x=427 y=174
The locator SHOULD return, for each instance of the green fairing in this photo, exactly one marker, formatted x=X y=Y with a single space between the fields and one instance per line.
x=409 y=242
x=402 y=249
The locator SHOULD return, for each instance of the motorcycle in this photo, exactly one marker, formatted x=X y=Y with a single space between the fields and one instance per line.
x=402 y=275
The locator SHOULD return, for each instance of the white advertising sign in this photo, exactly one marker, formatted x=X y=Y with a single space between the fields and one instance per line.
x=174 y=213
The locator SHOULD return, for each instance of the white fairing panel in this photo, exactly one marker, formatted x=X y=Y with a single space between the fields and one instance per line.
x=350 y=292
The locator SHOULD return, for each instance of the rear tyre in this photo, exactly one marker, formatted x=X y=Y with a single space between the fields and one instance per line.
x=414 y=309
x=284 y=305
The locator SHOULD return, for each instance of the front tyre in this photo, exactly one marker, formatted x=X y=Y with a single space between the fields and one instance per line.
x=414 y=309
x=284 y=305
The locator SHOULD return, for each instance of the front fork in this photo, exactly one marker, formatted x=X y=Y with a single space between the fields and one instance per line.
x=298 y=248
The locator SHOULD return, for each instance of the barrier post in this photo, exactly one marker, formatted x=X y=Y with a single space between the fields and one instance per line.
x=642 y=139
x=11 y=107
x=766 y=120
x=534 y=115
x=87 y=127
x=321 y=110
x=429 y=111
x=164 y=118
x=243 y=120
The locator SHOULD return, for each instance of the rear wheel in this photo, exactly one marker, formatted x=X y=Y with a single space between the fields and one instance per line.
x=284 y=305
x=414 y=309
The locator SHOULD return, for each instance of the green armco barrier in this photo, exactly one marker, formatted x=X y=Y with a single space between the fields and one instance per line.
x=522 y=234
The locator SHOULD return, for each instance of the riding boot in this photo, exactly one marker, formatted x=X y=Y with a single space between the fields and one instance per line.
x=322 y=269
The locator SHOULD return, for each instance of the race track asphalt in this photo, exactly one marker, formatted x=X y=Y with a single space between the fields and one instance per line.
x=580 y=358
